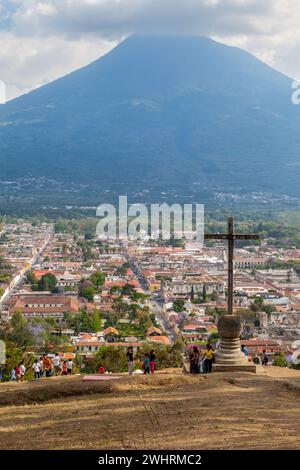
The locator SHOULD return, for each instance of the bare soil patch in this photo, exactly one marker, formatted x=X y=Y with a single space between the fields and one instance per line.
x=167 y=411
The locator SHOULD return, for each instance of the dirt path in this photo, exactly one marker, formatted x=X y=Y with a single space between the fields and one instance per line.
x=168 y=411
x=279 y=372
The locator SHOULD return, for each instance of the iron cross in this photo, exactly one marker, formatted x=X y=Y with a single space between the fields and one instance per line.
x=230 y=237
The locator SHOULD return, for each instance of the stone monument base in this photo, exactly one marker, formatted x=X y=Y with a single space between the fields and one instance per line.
x=229 y=357
x=234 y=368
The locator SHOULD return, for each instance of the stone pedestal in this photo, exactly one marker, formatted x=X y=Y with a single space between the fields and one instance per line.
x=229 y=356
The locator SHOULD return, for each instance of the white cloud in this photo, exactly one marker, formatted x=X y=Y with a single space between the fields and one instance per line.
x=40 y=40
x=28 y=63
x=46 y=9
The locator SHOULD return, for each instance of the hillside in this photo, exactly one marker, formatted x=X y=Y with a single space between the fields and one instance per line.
x=159 y=112
x=167 y=411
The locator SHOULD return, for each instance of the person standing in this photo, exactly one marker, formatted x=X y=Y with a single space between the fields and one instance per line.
x=36 y=369
x=152 y=361
x=130 y=360
x=194 y=360
x=147 y=364
x=18 y=373
x=265 y=358
x=69 y=366
x=41 y=366
x=22 y=371
x=208 y=359
x=56 y=364
x=101 y=370
x=13 y=375
x=65 y=370
x=191 y=359
x=244 y=350
x=47 y=365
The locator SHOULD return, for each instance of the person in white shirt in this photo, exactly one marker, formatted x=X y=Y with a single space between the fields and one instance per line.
x=37 y=369
x=22 y=371
x=56 y=363
x=69 y=366
x=41 y=367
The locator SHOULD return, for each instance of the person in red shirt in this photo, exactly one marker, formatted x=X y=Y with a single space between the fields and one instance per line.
x=101 y=370
x=18 y=373
x=152 y=361
x=65 y=370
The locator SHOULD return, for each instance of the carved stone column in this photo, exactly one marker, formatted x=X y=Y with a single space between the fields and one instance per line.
x=229 y=355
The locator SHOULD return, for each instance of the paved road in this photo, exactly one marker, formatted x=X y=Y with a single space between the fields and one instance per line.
x=20 y=278
x=156 y=306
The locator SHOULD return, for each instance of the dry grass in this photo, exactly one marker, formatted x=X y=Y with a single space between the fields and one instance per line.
x=167 y=411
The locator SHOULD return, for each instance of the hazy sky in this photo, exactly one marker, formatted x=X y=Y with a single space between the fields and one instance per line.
x=42 y=40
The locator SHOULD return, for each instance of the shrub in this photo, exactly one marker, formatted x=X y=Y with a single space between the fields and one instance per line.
x=280 y=360
x=112 y=358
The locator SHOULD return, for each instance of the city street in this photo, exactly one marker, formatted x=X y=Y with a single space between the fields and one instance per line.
x=156 y=306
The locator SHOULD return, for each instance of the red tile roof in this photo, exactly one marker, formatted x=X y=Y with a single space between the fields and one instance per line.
x=161 y=339
x=110 y=330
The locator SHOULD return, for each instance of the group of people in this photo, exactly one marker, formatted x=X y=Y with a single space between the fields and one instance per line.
x=43 y=367
x=257 y=359
x=18 y=373
x=262 y=359
x=201 y=362
x=46 y=366
x=148 y=365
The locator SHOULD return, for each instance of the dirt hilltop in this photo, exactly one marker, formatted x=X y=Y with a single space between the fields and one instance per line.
x=170 y=410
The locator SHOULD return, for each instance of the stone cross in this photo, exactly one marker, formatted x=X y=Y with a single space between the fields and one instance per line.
x=230 y=237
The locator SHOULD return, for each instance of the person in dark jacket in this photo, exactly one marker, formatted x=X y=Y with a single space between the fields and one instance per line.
x=194 y=361
x=152 y=361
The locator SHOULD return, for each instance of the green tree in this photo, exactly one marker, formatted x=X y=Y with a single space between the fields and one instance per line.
x=112 y=358
x=213 y=337
x=178 y=305
x=88 y=293
x=138 y=297
x=258 y=301
x=112 y=320
x=280 y=360
x=120 y=308
x=47 y=282
x=128 y=289
x=68 y=319
x=14 y=356
x=97 y=279
x=115 y=290
x=145 y=321
x=19 y=332
x=85 y=323
x=84 y=283
x=166 y=356
x=31 y=278
x=268 y=308
x=133 y=312
x=96 y=321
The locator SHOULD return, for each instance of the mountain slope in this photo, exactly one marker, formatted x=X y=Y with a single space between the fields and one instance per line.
x=159 y=110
